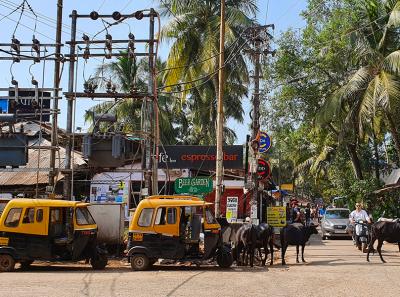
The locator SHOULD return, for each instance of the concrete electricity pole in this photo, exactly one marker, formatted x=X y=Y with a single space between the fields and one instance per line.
x=260 y=39
x=54 y=126
x=220 y=115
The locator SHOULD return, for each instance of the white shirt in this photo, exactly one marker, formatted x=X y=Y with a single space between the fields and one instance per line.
x=359 y=215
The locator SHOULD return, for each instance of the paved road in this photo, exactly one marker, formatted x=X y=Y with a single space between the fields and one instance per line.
x=334 y=268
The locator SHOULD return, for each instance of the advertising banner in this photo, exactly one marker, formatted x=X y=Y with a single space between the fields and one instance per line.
x=276 y=216
x=199 y=157
x=231 y=208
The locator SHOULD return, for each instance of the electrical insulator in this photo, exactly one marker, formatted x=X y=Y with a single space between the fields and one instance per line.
x=16 y=45
x=131 y=46
x=116 y=15
x=94 y=15
x=108 y=86
x=86 y=53
x=139 y=15
x=108 y=46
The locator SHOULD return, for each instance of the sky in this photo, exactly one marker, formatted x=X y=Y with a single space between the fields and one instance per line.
x=282 y=13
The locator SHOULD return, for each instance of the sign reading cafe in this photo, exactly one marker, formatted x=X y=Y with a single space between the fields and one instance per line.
x=199 y=157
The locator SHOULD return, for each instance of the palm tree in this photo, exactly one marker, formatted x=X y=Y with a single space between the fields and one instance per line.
x=373 y=90
x=193 y=61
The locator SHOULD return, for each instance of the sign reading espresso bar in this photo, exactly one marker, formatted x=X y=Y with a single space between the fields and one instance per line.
x=199 y=157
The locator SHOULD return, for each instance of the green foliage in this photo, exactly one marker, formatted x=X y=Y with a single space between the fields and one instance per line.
x=334 y=110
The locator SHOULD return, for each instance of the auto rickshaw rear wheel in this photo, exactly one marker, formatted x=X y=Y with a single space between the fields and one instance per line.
x=7 y=263
x=99 y=262
x=140 y=262
x=224 y=258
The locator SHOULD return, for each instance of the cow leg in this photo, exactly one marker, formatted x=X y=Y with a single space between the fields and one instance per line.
x=283 y=251
x=302 y=253
x=399 y=245
x=251 y=251
x=379 y=248
x=297 y=253
x=263 y=260
x=238 y=254
x=371 y=246
x=271 y=247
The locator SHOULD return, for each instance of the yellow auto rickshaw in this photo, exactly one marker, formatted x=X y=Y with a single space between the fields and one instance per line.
x=49 y=230
x=177 y=228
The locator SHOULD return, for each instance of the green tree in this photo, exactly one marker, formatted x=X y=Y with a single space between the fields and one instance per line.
x=193 y=61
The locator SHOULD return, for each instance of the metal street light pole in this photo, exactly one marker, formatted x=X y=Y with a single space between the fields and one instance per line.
x=220 y=115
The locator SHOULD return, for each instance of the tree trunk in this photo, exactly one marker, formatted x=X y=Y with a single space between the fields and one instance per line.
x=376 y=153
x=395 y=134
x=355 y=161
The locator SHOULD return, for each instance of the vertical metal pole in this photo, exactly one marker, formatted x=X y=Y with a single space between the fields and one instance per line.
x=220 y=115
x=56 y=82
x=152 y=91
x=68 y=149
x=256 y=112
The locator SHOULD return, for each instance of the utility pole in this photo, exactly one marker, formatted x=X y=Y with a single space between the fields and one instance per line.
x=68 y=149
x=259 y=38
x=256 y=117
x=54 y=126
x=220 y=115
x=154 y=110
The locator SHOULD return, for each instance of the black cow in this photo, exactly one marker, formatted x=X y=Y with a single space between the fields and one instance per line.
x=246 y=239
x=296 y=234
x=265 y=238
x=384 y=231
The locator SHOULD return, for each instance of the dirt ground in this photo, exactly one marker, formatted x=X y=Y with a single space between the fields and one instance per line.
x=334 y=268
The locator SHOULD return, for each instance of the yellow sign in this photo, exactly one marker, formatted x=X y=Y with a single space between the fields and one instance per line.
x=276 y=216
x=286 y=187
x=137 y=237
x=4 y=241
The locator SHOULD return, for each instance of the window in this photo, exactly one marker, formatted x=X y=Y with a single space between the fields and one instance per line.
x=337 y=214
x=13 y=217
x=39 y=215
x=145 y=217
x=171 y=216
x=55 y=215
x=160 y=217
x=29 y=216
x=83 y=216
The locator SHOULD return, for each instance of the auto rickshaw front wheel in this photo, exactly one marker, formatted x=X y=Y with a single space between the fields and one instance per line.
x=7 y=263
x=99 y=262
x=140 y=262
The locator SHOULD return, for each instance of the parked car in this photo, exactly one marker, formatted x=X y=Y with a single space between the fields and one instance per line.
x=334 y=223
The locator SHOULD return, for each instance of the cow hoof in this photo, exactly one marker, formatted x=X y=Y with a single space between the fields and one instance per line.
x=383 y=261
x=304 y=261
x=283 y=263
x=297 y=261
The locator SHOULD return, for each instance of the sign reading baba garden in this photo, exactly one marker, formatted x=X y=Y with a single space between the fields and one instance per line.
x=196 y=185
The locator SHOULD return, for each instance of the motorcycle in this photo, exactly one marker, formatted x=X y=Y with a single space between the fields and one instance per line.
x=361 y=235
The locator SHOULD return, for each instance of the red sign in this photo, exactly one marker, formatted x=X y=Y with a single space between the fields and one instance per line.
x=263 y=169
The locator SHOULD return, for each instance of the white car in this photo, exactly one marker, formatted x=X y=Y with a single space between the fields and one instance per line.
x=334 y=223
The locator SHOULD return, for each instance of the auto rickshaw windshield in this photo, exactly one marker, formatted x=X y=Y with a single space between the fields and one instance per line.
x=83 y=216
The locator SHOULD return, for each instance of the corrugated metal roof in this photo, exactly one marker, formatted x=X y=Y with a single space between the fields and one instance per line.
x=32 y=177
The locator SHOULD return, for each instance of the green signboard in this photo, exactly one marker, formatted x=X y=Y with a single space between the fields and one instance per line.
x=195 y=185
